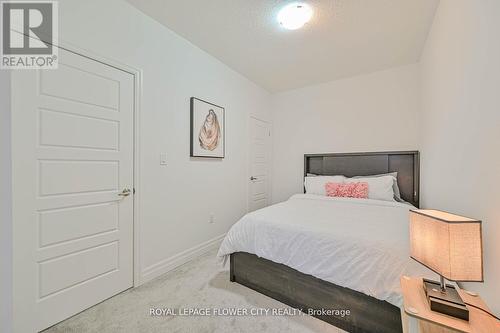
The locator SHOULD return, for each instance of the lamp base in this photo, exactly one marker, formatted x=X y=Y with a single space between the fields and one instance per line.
x=448 y=302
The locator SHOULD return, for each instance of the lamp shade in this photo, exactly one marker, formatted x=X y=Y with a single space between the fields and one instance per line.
x=448 y=244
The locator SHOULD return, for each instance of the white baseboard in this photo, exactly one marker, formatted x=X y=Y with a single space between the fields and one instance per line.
x=168 y=264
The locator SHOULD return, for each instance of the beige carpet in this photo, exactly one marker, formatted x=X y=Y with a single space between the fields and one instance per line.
x=198 y=284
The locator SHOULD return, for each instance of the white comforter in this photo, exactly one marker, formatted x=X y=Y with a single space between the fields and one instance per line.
x=360 y=244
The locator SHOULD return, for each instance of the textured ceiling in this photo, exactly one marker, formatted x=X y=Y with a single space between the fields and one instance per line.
x=344 y=38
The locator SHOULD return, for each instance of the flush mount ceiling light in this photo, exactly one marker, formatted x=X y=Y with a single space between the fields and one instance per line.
x=295 y=15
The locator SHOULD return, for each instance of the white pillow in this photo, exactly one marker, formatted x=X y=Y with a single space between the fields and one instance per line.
x=395 y=187
x=379 y=188
x=316 y=184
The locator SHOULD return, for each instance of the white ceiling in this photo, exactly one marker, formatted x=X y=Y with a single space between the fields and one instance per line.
x=344 y=38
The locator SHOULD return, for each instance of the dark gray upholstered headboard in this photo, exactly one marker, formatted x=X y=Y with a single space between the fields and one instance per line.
x=405 y=163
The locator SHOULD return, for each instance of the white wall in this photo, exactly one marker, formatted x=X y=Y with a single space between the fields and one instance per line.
x=5 y=206
x=460 y=123
x=373 y=112
x=177 y=199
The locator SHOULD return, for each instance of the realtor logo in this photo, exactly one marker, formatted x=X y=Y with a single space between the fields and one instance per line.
x=29 y=31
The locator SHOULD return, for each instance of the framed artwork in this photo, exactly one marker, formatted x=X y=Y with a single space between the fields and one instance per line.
x=207 y=129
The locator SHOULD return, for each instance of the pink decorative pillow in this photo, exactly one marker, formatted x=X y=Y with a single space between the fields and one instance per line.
x=347 y=190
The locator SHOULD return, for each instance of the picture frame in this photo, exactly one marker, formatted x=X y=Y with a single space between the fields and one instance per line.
x=207 y=129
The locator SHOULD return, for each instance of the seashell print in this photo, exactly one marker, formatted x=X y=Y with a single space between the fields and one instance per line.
x=210 y=132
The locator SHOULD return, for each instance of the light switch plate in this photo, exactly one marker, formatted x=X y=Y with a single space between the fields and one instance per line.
x=163 y=159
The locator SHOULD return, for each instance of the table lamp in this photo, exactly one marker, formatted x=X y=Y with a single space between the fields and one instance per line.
x=451 y=246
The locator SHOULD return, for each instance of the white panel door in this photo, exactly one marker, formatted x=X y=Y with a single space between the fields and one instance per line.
x=72 y=158
x=260 y=138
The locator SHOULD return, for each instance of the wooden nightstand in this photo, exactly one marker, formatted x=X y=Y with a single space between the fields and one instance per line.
x=418 y=317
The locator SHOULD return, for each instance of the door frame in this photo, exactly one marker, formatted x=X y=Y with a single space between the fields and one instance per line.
x=251 y=118
x=138 y=94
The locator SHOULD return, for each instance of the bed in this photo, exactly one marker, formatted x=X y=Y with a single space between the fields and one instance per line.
x=316 y=252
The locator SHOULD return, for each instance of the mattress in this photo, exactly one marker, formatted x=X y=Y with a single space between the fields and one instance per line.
x=361 y=244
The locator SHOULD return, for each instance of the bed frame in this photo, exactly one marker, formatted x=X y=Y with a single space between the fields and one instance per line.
x=302 y=291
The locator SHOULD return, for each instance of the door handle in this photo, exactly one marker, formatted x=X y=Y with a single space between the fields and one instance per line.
x=125 y=193
x=253 y=178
